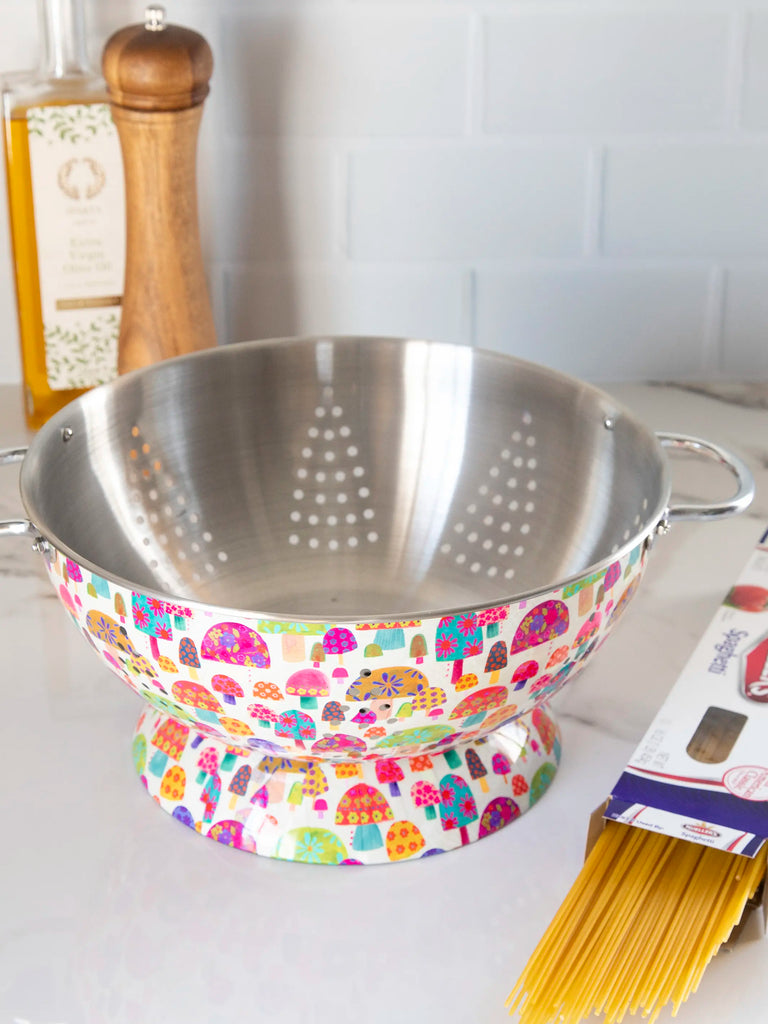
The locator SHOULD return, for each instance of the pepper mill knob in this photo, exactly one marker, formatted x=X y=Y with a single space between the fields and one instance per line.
x=157 y=77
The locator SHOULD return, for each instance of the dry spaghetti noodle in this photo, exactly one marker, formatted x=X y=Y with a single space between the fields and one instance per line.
x=636 y=931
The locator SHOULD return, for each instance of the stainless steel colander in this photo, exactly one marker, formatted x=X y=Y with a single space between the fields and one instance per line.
x=347 y=575
x=346 y=478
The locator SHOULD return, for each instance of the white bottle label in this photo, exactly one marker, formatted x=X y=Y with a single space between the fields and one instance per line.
x=78 y=194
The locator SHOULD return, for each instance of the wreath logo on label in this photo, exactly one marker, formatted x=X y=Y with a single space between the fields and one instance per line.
x=81 y=178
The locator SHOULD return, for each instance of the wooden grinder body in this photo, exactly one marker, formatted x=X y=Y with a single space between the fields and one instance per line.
x=157 y=80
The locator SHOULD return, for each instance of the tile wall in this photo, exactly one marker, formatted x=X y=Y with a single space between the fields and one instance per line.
x=579 y=182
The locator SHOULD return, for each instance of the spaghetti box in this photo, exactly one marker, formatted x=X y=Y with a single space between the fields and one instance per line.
x=700 y=773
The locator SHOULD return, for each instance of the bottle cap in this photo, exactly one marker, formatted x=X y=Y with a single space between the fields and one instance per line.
x=157 y=66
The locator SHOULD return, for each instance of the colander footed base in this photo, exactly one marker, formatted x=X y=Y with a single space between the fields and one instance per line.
x=355 y=812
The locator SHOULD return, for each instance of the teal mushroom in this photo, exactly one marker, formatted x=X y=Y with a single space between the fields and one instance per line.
x=457 y=806
x=364 y=808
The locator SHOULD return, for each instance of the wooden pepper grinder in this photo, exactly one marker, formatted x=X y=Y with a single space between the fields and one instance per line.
x=157 y=76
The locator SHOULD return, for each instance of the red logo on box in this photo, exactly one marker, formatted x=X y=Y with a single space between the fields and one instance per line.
x=755 y=672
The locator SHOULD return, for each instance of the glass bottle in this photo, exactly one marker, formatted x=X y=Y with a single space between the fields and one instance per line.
x=67 y=216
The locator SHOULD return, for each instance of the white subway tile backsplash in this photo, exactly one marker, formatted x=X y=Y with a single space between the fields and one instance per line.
x=745 y=331
x=283 y=201
x=469 y=202
x=605 y=72
x=603 y=324
x=372 y=74
x=406 y=301
x=696 y=200
x=582 y=181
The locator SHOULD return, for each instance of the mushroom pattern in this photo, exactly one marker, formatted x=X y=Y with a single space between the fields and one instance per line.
x=333 y=713
x=363 y=688
x=348 y=770
x=174 y=783
x=239 y=784
x=231 y=833
x=389 y=771
x=365 y=716
x=490 y=618
x=308 y=684
x=466 y=682
x=170 y=739
x=499 y=716
x=296 y=726
x=266 y=691
x=314 y=787
x=119 y=603
x=339 y=641
x=476 y=768
x=524 y=672
x=418 y=650
x=420 y=763
x=545 y=727
x=234 y=644
x=372 y=651
x=397 y=681
x=183 y=815
x=188 y=655
x=167 y=665
x=139 y=752
x=151 y=617
x=588 y=632
x=364 y=808
x=375 y=732
x=98 y=587
x=207 y=763
x=196 y=696
x=458 y=637
x=429 y=699
x=545 y=621
x=474 y=708
x=263 y=714
x=403 y=840
x=227 y=687
x=557 y=657
x=499 y=812
x=292 y=636
x=72 y=571
x=237 y=728
x=457 y=806
x=425 y=795
x=341 y=743
x=501 y=765
x=311 y=846
x=210 y=794
x=496 y=661
x=519 y=785
x=407 y=738
x=541 y=780
x=317 y=657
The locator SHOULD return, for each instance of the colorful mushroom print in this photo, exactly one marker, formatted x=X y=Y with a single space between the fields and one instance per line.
x=188 y=656
x=150 y=617
x=499 y=812
x=311 y=846
x=546 y=621
x=404 y=840
x=457 y=806
x=308 y=684
x=234 y=644
x=364 y=808
x=458 y=637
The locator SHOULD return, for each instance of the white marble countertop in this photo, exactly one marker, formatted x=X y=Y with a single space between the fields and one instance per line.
x=112 y=914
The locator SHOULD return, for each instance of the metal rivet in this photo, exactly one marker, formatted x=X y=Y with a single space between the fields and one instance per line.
x=67 y=434
x=609 y=423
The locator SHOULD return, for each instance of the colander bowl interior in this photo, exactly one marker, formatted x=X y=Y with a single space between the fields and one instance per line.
x=332 y=478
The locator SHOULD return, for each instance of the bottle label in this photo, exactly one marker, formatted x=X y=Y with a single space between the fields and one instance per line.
x=79 y=201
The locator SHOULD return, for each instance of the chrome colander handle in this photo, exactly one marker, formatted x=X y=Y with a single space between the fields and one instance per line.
x=709 y=510
x=15 y=527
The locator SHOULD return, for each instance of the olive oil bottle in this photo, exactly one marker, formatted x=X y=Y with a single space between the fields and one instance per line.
x=66 y=204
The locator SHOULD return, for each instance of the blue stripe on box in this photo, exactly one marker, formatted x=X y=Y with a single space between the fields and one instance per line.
x=703 y=805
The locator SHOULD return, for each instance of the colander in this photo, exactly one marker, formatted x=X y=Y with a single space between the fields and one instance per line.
x=347 y=575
